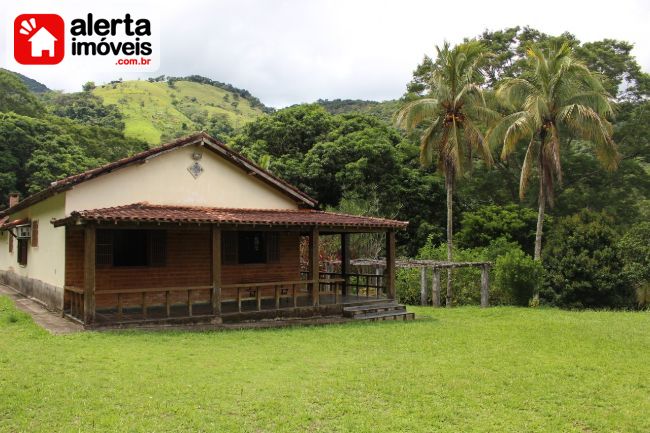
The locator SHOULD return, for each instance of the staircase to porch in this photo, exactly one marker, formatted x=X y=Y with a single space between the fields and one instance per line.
x=389 y=310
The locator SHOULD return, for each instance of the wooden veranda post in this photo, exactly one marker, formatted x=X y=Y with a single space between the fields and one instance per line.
x=390 y=264
x=485 y=281
x=435 y=287
x=313 y=263
x=89 y=274
x=216 y=270
x=345 y=262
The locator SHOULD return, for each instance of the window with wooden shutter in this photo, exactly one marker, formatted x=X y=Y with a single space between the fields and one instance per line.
x=35 y=233
x=131 y=248
x=157 y=248
x=11 y=243
x=273 y=245
x=251 y=247
x=229 y=240
x=23 y=245
x=104 y=247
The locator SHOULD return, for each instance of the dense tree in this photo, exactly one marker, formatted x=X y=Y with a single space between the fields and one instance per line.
x=37 y=151
x=557 y=95
x=512 y=222
x=635 y=252
x=85 y=108
x=291 y=131
x=16 y=97
x=583 y=264
x=451 y=113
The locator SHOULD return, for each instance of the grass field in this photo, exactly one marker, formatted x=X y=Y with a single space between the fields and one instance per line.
x=463 y=370
x=153 y=110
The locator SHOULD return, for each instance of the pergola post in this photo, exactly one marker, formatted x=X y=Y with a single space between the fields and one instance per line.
x=89 y=274
x=390 y=264
x=345 y=262
x=423 y=286
x=216 y=270
x=435 y=287
x=485 y=281
x=313 y=263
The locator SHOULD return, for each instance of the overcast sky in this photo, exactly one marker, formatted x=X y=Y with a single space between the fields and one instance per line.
x=293 y=51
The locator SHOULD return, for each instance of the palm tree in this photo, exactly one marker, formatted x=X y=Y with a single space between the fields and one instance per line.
x=557 y=94
x=450 y=114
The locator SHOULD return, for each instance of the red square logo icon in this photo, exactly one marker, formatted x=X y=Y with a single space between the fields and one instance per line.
x=39 y=39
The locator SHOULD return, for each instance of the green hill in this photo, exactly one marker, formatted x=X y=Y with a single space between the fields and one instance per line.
x=32 y=84
x=160 y=110
x=383 y=110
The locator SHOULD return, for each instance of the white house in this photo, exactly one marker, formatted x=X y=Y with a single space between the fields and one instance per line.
x=190 y=230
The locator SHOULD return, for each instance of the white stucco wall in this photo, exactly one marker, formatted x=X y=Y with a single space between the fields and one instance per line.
x=165 y=179
x=162 y=180
x=46 y=262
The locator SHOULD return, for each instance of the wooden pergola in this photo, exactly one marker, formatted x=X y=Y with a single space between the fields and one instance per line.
x=435 y=267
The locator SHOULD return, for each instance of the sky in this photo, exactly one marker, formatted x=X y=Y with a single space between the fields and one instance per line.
x=293 y=51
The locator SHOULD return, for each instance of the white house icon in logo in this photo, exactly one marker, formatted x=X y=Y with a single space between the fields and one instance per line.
x=41 y=41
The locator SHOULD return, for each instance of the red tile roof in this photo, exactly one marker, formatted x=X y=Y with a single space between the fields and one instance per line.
x=150 y=213
x=200 y=138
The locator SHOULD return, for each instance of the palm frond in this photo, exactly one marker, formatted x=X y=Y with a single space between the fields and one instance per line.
x=519 y=129
x=416 y=112
x=527 y=168
x=429 y=143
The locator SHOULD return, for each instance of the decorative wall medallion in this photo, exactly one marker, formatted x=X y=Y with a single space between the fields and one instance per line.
x=195 y=169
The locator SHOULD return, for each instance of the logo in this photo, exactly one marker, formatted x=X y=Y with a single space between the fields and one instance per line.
x=39 y=39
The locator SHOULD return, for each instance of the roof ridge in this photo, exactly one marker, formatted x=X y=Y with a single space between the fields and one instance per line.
x=210 y=142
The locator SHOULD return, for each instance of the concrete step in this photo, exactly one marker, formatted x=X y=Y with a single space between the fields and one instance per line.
x=372 y=308
x=386 y=315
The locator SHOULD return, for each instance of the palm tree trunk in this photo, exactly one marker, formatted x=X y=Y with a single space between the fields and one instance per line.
x=540 y=216
x=449 y=184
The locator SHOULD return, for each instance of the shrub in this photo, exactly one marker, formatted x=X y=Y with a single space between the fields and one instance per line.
x=583 y=265
x=512 y=222
x=517 y=277
x=634 y=247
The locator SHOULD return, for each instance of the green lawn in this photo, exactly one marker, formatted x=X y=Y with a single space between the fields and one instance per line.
x=464 y=370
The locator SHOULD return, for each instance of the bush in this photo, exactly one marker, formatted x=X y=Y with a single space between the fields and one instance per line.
x=517 y=277
x=635 y=252
x=512 y=222
x=583 y=264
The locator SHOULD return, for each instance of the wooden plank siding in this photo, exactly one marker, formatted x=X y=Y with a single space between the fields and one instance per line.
x=189 y=264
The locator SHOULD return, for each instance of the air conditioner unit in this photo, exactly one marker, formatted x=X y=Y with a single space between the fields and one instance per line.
x=24 y=232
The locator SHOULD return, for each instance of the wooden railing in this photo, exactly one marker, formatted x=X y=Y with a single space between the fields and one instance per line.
x=368 y=285
x=330 y=289
x=259 y=292
x=155 y=302
x=74 y=304
x=125 y=305
x=357 y=284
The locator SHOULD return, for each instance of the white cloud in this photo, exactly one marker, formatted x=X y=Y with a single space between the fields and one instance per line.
x=293 y=51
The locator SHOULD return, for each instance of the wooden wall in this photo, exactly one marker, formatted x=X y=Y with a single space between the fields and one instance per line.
x=188 y=264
